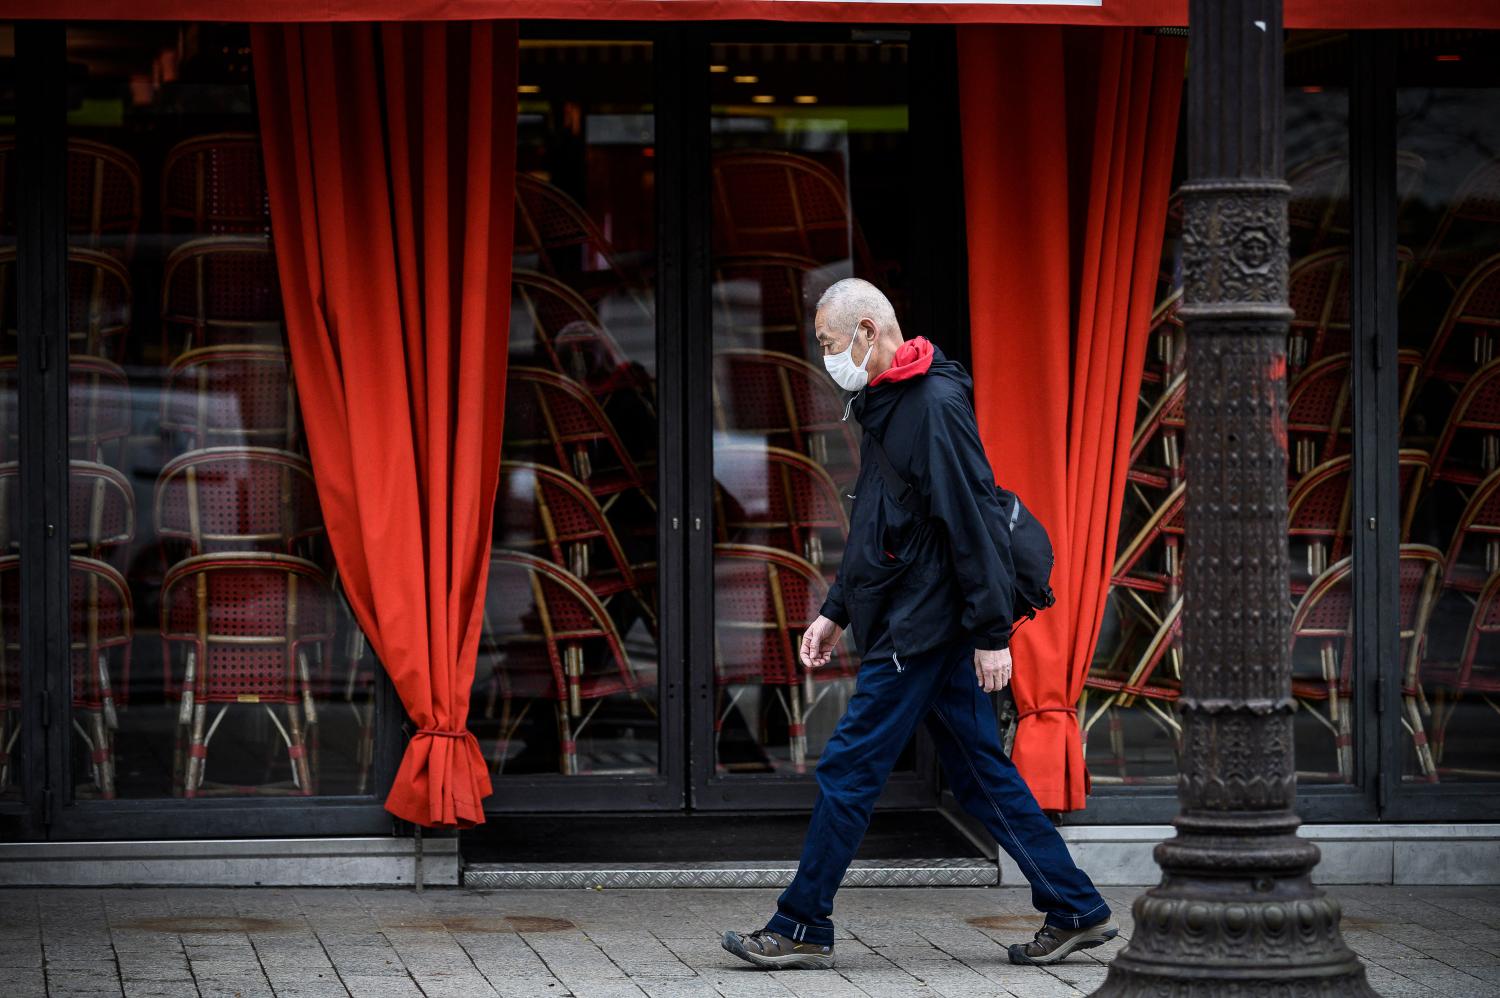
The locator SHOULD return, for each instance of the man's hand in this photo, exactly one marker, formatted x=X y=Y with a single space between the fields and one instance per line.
x=818 y=642
x=992 y=668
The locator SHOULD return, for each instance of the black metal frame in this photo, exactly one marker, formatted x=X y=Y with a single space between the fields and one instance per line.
x=40 y=273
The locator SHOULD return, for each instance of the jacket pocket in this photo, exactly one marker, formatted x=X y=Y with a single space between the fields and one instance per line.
x=920 y=612
x=861 y=605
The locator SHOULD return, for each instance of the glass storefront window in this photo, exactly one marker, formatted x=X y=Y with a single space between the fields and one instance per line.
x=1320 y=409
x=1448 y=121
x=566 y=681
x=12 y=744
x=212 y=653
x=810 y=153
x=1131 y=733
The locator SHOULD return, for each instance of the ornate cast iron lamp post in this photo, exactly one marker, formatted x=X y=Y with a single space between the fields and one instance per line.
x=1236 y=912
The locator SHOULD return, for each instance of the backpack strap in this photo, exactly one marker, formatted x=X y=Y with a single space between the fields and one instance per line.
x=900 y=489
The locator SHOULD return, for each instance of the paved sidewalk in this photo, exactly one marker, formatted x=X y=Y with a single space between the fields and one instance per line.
x=446 y=943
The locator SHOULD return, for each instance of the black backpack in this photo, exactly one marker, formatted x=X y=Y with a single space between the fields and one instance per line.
x=1030 y=547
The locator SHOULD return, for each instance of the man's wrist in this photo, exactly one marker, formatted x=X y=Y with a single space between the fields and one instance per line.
x=834 y=613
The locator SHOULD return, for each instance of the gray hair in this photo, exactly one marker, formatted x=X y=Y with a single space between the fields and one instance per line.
x=851 y=299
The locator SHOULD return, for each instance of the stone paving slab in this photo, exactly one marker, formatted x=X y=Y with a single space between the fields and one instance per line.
x=448 y=943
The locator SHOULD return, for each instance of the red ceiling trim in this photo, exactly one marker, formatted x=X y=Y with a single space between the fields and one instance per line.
x=1299 y=13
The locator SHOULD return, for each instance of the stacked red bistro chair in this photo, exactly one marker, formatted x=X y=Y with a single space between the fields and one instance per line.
x=1474 y=550
x=101 y=509
x=777 y=497
x=1318 y=291
x=1468 y=449
x=555 y=420
x=785 y=400
x=100 y=634
x=238 y=629
x=762 y=300
x=548 y=637
x=575 y=534
x=1318 y=209
x=1169 y=337
x=1165 y=529
x=215 y=185
x=1163 y=426
x=220 y=499
x=566 y=335
x=1465 y=339
x=104 y=197
x=1474 y=208
x=99 y=302
x=220 y=291
x=557 y=237
x=764 y=599
x=1324 y=619
x=236 y=395
x=768 y=201
x=1475 y=674
x=1139 y=687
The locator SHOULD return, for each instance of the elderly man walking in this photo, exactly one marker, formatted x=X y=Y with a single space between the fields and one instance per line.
x=927 y=588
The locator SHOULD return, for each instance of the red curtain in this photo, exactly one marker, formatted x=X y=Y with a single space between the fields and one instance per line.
x=1068 y=137
x=390 y=160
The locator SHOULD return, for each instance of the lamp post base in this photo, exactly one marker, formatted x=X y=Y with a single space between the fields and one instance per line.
x=1246 y=922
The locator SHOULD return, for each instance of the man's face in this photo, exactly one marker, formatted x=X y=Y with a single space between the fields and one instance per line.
x=832 y=340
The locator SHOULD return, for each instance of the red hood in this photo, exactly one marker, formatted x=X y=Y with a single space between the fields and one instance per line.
x=913 y=358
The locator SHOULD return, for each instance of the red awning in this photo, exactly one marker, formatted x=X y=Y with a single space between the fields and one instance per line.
x=1299 y=13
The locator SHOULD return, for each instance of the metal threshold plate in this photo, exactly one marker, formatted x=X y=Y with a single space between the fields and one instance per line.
x=769 y=873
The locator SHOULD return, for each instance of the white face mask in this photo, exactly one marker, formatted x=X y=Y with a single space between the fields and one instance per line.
x=841 y=368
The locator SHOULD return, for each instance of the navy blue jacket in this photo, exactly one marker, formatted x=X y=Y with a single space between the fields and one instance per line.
x=910 y=582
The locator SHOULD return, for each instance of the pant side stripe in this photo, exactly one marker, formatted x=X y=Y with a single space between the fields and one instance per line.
x=969 y=761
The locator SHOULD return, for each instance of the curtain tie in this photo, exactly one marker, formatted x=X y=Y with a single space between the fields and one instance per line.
x=1047 y=710
x=434 y=732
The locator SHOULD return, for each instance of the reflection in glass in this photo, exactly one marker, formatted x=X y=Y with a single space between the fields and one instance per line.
x=809 y=162
x=566 y=681
x=12 y=740
x=211 y=652
x=1448 y=118
x=1127 y=710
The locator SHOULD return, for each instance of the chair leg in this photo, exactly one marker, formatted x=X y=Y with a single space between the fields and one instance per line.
x=7 y=742
x=502 y=742
x=1117 y=742
x=1344 y=746
x=1419 y=738
x=104 y=760
x=508 y=727
x=366 y=716
x=568 y=749
x=1442 y=710
x=796 y=728
x=297 y=750
x=85 y=736
x=197 y=752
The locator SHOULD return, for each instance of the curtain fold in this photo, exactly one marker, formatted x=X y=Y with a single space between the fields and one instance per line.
x=390 y=160
x=1068 y=138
